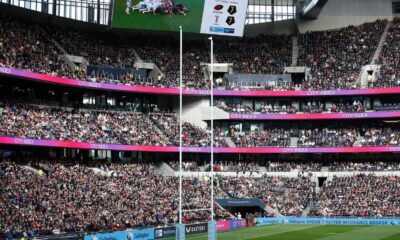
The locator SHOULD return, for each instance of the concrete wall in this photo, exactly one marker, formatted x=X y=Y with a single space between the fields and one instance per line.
x=343 y=13
x=219 y=114
x=192 y=109
x=280 y=27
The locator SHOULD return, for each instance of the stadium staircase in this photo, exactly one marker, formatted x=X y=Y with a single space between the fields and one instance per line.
x=159 y=130
x=31 y=168
x=64 y=54
x=165 y=169
x=230 y=143
x=324 y=169
x=102 y=172
x=358 y=141
x=295 y=51
x=137 y=57
x=306 y=211
x=272 y=210
x=293 y=141
x=378 y=50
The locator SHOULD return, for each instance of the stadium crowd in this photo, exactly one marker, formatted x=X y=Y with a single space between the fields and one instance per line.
x=264 y=54
x=302 y=166
x=97 y=51
x=104 y=127
x=340 y=106
x=310 y=106
x=234 y=108
x=327 y=137
x=313 y=107
x=187 y=166
x=289 y=166
x=277 y=108
x=387 y=107
x=359 y=196
x=389 y=59
x=336 y=57
x=26 y=46
x=162 y=129
x=60 y=197
x=364 y=166
x=288 y=195
x=384 y=136
x=44 y=197
x=267 y=138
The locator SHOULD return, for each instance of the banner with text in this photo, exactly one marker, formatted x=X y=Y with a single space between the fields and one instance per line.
x=224 y=17
x=142 y=234
x=334 y=221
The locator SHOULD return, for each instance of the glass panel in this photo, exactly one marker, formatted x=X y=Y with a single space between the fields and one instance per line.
x=261 y=11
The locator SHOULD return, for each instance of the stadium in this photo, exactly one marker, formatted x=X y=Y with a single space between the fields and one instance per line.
x=206 y=119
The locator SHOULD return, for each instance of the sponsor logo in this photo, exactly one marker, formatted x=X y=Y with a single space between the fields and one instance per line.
x=218 y=7
x=229 y=30
x=244 y=116
x=216 y=20
x=169 y=231
x=99 y=146
x=141 y=235
x=193 y=149
x=230 y=20
x=338 y=221
x=316 y=93
x=164 y=232
x=196 y=228
x=394 y=149
x=89 y=84
x=104 y=238
x=24 y=141
x=232 y=10
x=355 y=115
x=197 y=92
x=158 y=233
x=222 y=30
x=5 y=70
x=295 y=150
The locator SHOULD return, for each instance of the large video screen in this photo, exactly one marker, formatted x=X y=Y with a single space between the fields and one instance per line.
x=220 y=17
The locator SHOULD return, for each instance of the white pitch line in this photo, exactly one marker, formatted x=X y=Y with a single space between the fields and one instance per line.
x=269 y=234
x=261 y=235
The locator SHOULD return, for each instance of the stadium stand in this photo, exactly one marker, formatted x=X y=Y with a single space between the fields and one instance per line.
x=59 y=198
x=99 y=127
x=359 y=196
x=336 y=57
x=254 y=166
x=288 y=195
x=47 y=191
x=267 y=54
x=389 y=58
x=328 y=61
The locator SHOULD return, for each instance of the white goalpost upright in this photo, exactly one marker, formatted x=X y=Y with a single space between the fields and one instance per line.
x=180 y=228
x=212 y=226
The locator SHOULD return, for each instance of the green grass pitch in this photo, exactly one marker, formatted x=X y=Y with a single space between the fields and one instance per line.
x=308 y=232
x=190 y=23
